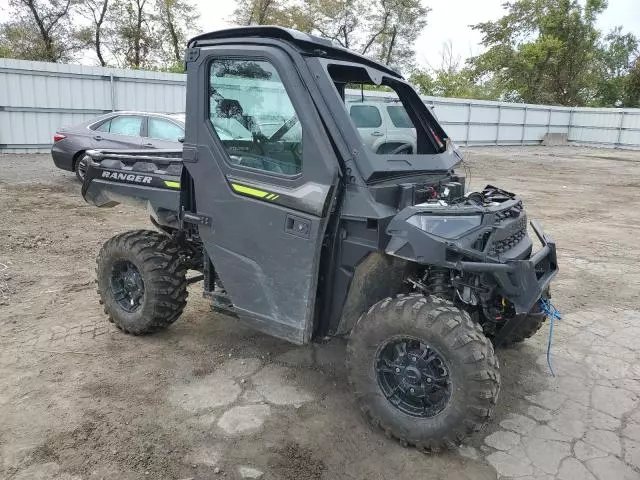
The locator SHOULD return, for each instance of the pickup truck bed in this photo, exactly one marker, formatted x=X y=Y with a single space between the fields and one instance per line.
x=150 y=178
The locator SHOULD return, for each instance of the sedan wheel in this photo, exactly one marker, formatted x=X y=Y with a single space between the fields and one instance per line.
x=81 y=167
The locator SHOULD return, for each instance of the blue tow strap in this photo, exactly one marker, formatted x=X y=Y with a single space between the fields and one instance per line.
x=552 y=312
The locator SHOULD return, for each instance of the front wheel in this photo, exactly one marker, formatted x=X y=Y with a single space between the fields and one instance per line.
x=423 y=371
x=142 y=281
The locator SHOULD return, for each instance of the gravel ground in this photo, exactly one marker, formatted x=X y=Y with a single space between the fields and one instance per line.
x=208 y=398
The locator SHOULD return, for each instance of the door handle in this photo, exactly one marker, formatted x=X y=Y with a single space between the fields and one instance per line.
x=97 y=137
x=148 y=145
x=377 y=134
x=300 y=227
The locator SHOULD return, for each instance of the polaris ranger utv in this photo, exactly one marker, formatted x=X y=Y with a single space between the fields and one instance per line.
x=299 y=229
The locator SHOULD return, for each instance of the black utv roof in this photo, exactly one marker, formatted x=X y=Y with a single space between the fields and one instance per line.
x=304 y=42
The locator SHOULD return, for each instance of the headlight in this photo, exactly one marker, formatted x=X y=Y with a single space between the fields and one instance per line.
x=445 y=226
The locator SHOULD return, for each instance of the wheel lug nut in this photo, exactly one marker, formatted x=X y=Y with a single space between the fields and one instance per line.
x=413 y=359
x=397 y=370
x=428 y=380
x=412 y=390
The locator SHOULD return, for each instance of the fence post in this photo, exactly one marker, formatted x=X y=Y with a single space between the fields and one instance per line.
x=570 y=125
x=466 y=141
x=112 y=84
x=498 y=125
x=524 y=125
x=549 y=123
x=620 y=123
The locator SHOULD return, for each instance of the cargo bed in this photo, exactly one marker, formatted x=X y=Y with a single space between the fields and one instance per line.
x=141 y=177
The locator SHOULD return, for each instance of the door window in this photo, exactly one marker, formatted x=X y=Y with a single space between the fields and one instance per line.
x=399 y=117
x=253 y=116
x=164 y=129
x=126 y=125
x=104 y=127
x=365 y=116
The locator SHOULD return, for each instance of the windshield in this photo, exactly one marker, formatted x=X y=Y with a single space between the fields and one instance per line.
x=387 y=113
x=385 y=142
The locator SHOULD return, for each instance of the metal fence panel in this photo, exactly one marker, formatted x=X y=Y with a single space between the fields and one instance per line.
x=512 y=115
x=509 y=134
x=36 y=98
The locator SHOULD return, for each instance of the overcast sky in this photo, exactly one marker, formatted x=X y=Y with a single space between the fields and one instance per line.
x=448 y=20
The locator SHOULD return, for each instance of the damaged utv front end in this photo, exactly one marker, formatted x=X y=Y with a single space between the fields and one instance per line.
x=482 y=240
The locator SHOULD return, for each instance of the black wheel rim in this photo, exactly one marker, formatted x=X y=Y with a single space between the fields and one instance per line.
x=127 y=285
x=413 y=376
x=82 y=168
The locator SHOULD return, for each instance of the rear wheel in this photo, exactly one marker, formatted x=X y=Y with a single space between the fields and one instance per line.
x=142 y=281
x=81 y=166
x=423 y=371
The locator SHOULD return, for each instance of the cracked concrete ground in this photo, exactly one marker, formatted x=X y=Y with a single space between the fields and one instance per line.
x=209 y=398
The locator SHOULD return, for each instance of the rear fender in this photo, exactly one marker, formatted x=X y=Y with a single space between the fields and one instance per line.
x=135 y=178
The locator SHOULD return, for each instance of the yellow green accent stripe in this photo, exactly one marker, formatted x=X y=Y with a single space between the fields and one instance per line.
x=254 y=192
x=171 y=184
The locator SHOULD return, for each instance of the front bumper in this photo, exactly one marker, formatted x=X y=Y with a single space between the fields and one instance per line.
x=522 y=281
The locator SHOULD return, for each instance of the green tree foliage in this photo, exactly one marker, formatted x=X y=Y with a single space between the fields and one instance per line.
x=150 y=33
x=550 y=51
x=285 y=13
x=136 y=39
x=40 y=30
x=126 y=33
x=398 y=25
x=385 y=30
x=632 y=85
x=616 y=55
x=175 y=18
x=452 y=79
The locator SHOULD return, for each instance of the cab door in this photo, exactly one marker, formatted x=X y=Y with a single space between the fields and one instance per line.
x=264 y=174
